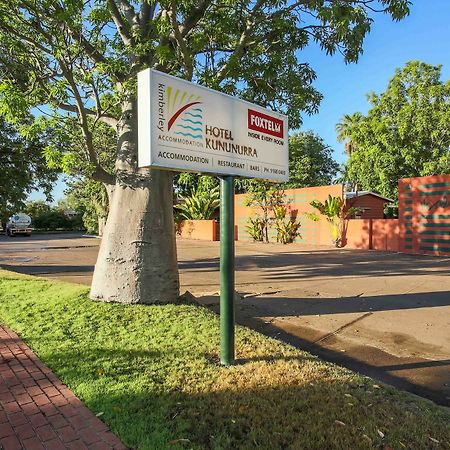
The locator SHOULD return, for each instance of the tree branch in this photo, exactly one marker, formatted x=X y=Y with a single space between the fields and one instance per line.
x=252 y=22
x=25 y=38
x=145 y=16
x=193 y=19
x=87 y=133
x=102 y=175
x=131 y=16
x=280 y=12
x=120 y=24
x=245 y=36
x=105 y=118
x=94 y=54
x=129 y=12
x=181 y=42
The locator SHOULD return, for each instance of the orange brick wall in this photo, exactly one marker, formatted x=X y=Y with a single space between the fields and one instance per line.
x=378 y=235
x=424 y=215
x=298 y=199
x=423 y=225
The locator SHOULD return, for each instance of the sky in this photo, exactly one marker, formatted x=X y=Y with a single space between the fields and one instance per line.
x=424 y=35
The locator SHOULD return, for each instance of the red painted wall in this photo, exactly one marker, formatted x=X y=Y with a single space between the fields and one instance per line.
x=424 y=215
x=385 y=235
x=373 y=234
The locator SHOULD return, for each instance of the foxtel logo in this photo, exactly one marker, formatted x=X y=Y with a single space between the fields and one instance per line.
x=263 y=123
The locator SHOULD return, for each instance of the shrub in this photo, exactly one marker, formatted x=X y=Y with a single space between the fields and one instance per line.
x=271 y=209
x=336 y=212
x=256 y=228
x=287 y=228
x=199 y=205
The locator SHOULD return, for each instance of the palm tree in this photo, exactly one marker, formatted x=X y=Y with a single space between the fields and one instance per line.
x=345 y=129
x=350 y=184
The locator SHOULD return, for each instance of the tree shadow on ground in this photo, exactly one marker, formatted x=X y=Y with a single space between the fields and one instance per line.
x=46 y=269
x=285 y=305
x=328 y=263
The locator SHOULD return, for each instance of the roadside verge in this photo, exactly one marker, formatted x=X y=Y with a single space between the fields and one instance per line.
x=152 y=374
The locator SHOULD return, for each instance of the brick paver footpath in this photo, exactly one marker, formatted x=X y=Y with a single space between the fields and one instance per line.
x=39 y=412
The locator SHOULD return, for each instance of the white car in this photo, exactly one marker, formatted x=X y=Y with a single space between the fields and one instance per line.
x=19 y=224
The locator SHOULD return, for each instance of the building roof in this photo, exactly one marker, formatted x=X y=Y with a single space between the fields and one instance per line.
x=355 y=194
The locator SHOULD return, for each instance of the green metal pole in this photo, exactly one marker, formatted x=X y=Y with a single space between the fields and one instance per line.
x=227 y=270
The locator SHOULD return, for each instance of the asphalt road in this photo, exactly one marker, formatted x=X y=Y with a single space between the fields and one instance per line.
x=386 y=315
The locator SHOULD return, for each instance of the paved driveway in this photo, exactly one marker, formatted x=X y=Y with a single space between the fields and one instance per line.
x=383 y=314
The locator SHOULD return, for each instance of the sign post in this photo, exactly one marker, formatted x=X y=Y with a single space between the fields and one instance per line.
x=186 y=127
x=227 y=270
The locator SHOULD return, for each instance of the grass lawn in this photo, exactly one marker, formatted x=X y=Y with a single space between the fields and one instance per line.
x=152 y=372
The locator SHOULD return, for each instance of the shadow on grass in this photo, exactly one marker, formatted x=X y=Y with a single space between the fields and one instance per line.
x=433 y=386
x=145 y=370
x=258 y=405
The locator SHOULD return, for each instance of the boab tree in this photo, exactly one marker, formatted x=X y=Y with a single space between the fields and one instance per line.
x=80 y=59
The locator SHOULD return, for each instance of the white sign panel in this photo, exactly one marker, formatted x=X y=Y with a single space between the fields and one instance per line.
x=187 y=127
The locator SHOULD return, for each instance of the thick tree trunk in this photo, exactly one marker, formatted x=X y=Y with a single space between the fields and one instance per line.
x=137 y=261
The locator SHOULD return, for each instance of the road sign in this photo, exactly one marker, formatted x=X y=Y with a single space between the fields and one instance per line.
x=186 y=127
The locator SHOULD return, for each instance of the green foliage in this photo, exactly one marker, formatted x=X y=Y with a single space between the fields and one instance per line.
x=199 y=205
x=256 y=228
x=390 y=212
x=66 y=149
x=346 y=125
x=187 y=182
x=22 y=169
x=37 y=208
x=80 y=59
x=404 y=134
x=310 y=161
x=287 y=228
x=46 y=217
x=152 y=372
x=336 y=212
x=264 y=197
x=270 y=207
x=91 y=199
x=332 y=206
x=55 y=220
